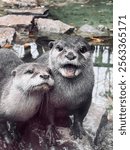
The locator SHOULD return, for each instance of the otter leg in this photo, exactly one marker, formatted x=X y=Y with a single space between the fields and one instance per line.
x=51 y=132
x=77 y=129
x=8 y=129
x=14 y=131
x=4 y=133
x=64 y=121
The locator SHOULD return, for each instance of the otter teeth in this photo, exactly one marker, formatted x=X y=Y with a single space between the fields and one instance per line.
x=78 y=71
x=70 y=71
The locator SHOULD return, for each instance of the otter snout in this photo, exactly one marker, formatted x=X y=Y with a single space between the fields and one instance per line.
x=45 y=76
x=70 y=56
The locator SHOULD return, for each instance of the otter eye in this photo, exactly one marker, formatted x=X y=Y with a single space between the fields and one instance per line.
x=29 y=72
x=83 y=49
x=59 y=48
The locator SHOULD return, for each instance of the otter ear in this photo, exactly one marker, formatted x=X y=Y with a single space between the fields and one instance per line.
x=51 y=44
x=92 y=48
x=13 y=73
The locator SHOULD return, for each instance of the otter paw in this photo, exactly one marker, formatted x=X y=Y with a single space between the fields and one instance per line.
x=77 y=131
x=8 y=138
x=52 y=135
x=16 y=135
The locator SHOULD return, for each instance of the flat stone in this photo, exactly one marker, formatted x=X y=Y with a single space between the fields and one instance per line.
x=27 y=11
x=20 y=3
x=6 y=36
x=90 y=31
x=14 y=20
x=92 y=120
x=53 y=26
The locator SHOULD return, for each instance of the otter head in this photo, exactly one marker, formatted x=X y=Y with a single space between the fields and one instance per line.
x=32 y=77
x=69 y=56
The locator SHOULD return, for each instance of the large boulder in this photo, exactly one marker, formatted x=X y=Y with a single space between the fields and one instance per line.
x=53 y=26
x=67 y=141
x=6 y=36
x=14 y=20
x=89 y=31
x=34 y=138
x=38 y=11
x=20 y=3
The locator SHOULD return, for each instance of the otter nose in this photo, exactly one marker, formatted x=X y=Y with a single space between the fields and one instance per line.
x=70 y=56
x=45 y=76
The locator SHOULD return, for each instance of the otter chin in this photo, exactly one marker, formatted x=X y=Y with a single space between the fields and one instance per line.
x=70 y=71
x=42 y=87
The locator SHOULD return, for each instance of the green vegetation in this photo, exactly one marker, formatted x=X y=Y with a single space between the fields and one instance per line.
x=95 y=12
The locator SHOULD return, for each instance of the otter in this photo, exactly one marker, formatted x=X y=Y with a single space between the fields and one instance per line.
x=70 y=60
x=22 y=93
x=8 y=61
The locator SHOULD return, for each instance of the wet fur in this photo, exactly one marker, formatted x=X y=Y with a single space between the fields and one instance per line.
x=19 y=99
x=70 y=96
x=8 y=61
x=21 y=108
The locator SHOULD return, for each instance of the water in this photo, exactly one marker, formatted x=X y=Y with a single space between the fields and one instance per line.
x=94 y=12
x=103 y=56
x=19 y=49
x=101 y=99
x=34 y=50
x=103 y=60
x=103 y=88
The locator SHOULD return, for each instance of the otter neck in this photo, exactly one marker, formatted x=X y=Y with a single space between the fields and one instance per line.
x=16 y=92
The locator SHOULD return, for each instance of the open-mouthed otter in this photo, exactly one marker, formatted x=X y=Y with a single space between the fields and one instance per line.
x=70 y=60
x=22 y=93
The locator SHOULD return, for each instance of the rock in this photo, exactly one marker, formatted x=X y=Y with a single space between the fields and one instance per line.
x=102 y=27
x=52 y=26
x=28 y=11
x=67 y=141
x=104 y=135
x=14 y=20
x=4 y=146
x=92 y=120
x=6 y=36
x=61 y=3
x=34 y=138
x=20 y=3
x=88 y=31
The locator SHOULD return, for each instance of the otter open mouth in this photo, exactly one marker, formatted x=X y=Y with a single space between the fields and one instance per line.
x=70 y=70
